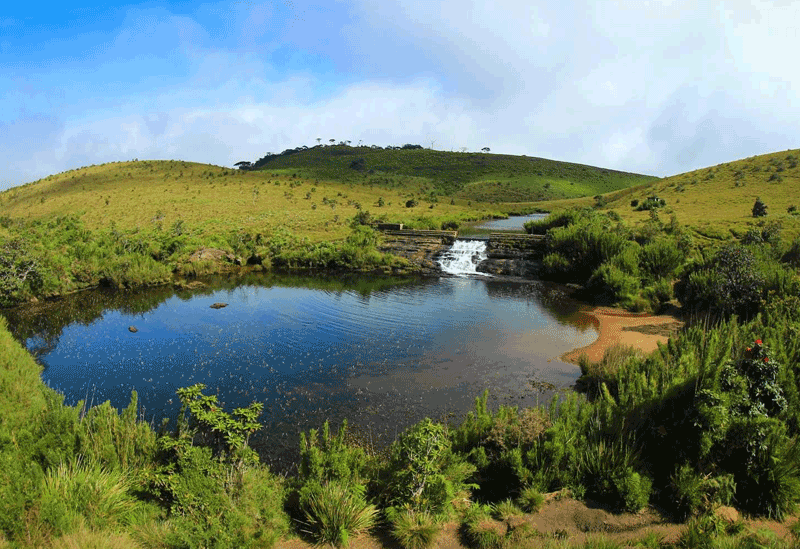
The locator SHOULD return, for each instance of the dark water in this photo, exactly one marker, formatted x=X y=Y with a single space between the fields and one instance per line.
x=513 y=223
x=382 y=353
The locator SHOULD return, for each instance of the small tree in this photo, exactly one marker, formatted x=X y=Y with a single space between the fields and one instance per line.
x=759 y=208
x=319 y=140
x=486 y=149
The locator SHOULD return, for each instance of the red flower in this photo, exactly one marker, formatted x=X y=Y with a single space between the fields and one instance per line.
x=749 y=349
x=766 y=360
x=758 y=342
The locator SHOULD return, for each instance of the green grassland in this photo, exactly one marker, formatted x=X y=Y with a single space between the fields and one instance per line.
x=214 y=200
x=481 y=177
x=715 y=203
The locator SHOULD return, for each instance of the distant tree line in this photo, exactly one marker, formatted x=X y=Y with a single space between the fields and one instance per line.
x=247 y=165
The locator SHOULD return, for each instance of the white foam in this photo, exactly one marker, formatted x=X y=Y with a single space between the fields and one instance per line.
x=463 y=257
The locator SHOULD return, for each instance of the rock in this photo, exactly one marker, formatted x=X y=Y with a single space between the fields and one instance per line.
x=133 y=329
x=211 y=254
x=219 y=305
x=34 y=300
x=727 y=514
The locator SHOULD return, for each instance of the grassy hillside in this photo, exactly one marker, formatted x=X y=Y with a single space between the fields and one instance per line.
x=716 y=203
x=215 y=200
x=470 y=176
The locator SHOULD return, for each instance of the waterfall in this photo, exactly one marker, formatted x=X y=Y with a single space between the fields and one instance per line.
x=462 y=258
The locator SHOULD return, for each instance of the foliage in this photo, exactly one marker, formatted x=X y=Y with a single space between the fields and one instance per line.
x=334 y=512
x=530 y=500
x=609 y=471
x=650 y=203
x=415 y=529
x=19 y=271
x=729 y=283
x=423 y=472
x=759 y=208
x=696 y=494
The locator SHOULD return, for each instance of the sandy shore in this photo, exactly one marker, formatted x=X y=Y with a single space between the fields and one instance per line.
x=616 y=326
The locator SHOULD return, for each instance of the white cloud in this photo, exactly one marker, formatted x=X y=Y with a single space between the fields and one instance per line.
x=657 y=86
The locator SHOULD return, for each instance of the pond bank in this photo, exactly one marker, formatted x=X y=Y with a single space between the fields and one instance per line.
x=642 y=331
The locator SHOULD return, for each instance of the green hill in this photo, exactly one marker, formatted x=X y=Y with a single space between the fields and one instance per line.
x=480 y=177
x=716 y=203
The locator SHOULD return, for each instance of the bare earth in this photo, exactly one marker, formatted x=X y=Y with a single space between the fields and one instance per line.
x=615 y=326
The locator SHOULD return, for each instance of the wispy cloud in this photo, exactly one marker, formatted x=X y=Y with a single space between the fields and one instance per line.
x=653 y=86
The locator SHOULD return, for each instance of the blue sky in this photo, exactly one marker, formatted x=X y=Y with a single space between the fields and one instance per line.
x=652 y=86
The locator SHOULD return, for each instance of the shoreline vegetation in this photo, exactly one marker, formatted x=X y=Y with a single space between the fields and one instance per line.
x=704 y=423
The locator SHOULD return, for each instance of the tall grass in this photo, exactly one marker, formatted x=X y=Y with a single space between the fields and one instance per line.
x=333 y=514
x=75 y=491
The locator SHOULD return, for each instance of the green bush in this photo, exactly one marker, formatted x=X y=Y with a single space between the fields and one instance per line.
x=415 y=529
x=609 y=284
x=530 y=500
x=730 y=283
x=334 y=512
x=660 y=258
x=759 y=208
x=423 y=472
x=73 y=491
x=695 y=494
x=609 y=474
x=584 y=247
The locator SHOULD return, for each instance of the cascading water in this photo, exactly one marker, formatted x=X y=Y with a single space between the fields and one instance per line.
x=463 y=257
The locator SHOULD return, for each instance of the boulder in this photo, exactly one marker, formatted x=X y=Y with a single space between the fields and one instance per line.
x=133 y=329
x=212 y=254
x=219 y=305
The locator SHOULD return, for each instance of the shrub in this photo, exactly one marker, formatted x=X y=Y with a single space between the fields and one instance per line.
x=608 y=473
x=695 y=494
x=411 y=203
x=729 y=283
x=660 y=258
x=530 y=500
x=609 y=284
x=504 y=510
x=651 y=203
x=584 y=246
x=77 y=491
x=415 y=530
x=424 y=474
x=759 y=208
x=334 y=512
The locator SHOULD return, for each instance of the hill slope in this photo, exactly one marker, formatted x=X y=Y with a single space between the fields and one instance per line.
x=470 y=176
x=717 y=202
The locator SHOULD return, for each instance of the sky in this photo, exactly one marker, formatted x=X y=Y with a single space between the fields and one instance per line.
x=650 y=86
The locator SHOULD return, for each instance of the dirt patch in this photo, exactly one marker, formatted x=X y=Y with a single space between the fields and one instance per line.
x=570 y=520
x=618 y=327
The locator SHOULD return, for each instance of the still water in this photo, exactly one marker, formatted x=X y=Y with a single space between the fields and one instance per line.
x=382 y=353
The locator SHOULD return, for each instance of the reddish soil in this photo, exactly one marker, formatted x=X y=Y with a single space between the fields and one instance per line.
x=618 y=327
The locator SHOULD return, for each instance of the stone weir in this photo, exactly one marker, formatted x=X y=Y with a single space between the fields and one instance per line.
x=420 y=247
x=511 y=254
x=508 y=254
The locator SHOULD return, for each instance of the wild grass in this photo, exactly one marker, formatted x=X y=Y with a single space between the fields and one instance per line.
x=415 y=529
x=333 y=514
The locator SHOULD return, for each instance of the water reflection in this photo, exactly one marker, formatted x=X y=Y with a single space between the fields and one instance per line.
x=382 y=353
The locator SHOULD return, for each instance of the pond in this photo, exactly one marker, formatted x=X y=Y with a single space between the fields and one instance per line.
x=381 y=353
x=512 y=223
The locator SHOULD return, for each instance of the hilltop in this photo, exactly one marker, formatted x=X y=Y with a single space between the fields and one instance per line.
x=482 y=176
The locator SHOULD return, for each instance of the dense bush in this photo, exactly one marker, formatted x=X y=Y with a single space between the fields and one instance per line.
x=730 y=283
x=759 y=208
x=423 y=472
